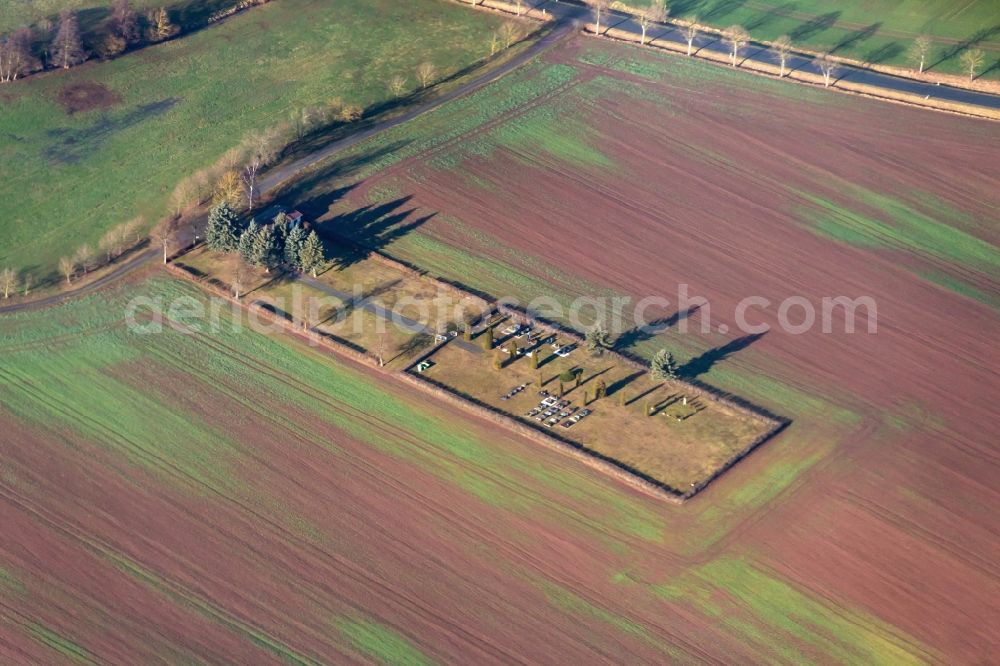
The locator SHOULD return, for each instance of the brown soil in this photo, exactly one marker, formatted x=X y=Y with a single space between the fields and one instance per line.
x=707 y=195
x=87 y=96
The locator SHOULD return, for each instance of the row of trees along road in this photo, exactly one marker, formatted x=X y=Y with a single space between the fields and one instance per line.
x=737 y=37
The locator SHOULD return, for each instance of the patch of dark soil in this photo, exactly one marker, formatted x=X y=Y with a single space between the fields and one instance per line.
x=87 y=96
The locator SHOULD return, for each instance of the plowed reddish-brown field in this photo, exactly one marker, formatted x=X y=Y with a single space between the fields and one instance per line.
x=227 y=497
x=625 y=173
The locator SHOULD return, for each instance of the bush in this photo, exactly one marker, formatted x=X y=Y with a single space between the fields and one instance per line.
x=351 y=112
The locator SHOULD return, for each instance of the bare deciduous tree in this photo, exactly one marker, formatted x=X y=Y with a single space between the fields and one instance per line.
x=919 y=50
x=240 y=277
x=827 y=67
x=84 y=257
x=782 y=47
x=494 y=43
x=68 y=268
x=184 y=196
x=509 y=32
x=690 y=31
x=202 y=180
x=972 y=59
x=67 y=47
x=27 y=284
x=333 y=109
x=120 y=238
x=397 y=85
x=16 y=58
x=426 y=73
x=230 y=160
x=164 y=234
x=736 y=36
x=380 y=348
x=261 y=150
x=600 y=7
x=125 y=22
x=229 y=188
x=160 y=25
x=655 y=13
x=112 y=46
x=300 y=121
x=8 y=281
x=518 y=6
x=351 y=113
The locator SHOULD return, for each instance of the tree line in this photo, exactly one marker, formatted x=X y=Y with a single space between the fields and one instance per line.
x=61 y=44
x=737 y=37
x=234 y=177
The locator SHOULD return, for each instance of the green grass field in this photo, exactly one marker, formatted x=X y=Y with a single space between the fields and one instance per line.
x=879 y=32
x=93 y=14
x=67 y=178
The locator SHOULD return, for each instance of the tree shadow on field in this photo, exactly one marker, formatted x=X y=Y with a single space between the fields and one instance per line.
x=990 y=68
x=767 y=17
x=371 y=227
x=314 y=193
x=639 y=334
x=411 y=347
x=955 y=50
x=622 y=382
x=393 y=112
x=720 y=10
x=814 y=26
x=884 y=53
x=684 y=7
x=702 y=364
x=72 y=145
x=855 y=37
x=359 y=301
x=652 y=389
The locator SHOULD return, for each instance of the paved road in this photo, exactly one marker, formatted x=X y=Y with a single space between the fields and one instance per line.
x=759 y=53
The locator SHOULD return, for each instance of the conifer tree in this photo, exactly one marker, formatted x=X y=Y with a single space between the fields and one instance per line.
x=293 y=246
x=598 y=340
x=247 y=242
x=266 y=252
x=312 y=255
x=663 y=366
x=222 y=233
x=282 y=227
